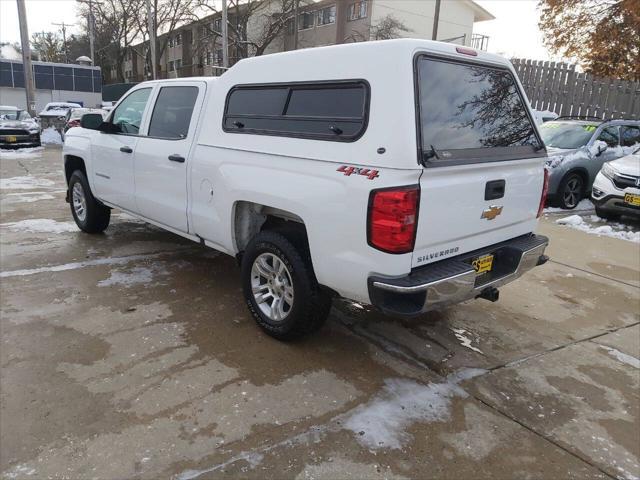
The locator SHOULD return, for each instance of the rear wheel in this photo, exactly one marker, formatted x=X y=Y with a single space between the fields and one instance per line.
x=571 y=191
x=89 y=214
x=280 y=288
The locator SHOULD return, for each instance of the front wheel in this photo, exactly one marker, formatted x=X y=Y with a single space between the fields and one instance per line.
x=90 y=215
x=280 y=288
x=571 y=191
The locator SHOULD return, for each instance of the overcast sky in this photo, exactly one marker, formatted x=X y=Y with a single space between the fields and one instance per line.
x=514 y=32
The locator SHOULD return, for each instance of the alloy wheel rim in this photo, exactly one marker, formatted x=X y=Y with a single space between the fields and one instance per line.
x=79 y=202
x=272 y=286
x=572 y=192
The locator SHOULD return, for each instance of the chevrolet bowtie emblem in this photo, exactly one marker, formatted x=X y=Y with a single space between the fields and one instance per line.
x=492 y=212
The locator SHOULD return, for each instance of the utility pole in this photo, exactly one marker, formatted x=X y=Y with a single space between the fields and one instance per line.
x=225 y=36
x=63 y=26
x=436 y=19
x=152 y=39
x=26 y=58
x=92 y=33
x=295 y=23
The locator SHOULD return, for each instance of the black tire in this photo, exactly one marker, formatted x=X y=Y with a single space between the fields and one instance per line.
x=607 y=215
x=311 y=304
x=571 y=191
x=97 y=216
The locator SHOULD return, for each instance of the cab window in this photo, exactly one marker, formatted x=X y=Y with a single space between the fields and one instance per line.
x=630 y=135
x=610 y=136
x=127 y=117
x=172 y=112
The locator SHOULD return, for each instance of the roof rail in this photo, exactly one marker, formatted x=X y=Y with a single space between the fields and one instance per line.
x=579 y=117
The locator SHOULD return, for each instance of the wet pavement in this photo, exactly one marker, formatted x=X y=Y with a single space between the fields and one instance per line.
x=131 y=355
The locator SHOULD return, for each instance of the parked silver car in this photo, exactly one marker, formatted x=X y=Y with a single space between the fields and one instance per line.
x=577 y=148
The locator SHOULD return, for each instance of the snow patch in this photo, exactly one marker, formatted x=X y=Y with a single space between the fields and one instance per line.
x=136 y=275
x=27 y=197
x=41 y=225
x=614 y=230
x=21 y=153
x=460 y=334
x=51 y=136
x=25 y=182
x=383 y=421
x=77 y=265
x=622 y=357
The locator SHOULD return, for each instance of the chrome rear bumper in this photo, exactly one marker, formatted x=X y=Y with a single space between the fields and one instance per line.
x=454 y=280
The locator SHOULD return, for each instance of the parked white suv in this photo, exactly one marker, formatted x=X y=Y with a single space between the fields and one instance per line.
x=406 y=174
x=616 y=189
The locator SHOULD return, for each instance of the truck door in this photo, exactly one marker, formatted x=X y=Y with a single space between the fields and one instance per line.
x=162 y=154
x=113 y=152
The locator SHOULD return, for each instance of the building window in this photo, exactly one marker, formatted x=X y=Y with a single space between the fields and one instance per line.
x=357 y=10
x=305 y=20
x=219 y=56
x=178 y=64
x=178 y=39
x=327 y=16
x=171 y=66
x=208 y=58
x=171 y=43
x=217 y=25
x=331 y=112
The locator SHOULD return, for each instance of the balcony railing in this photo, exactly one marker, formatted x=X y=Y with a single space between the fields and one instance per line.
x=479 y=42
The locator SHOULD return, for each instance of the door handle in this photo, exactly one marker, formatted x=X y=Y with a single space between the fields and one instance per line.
x=494 y=189
x=126 y=150
x=176 y=158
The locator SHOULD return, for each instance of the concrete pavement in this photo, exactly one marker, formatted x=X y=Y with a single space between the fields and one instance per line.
x=131 y=355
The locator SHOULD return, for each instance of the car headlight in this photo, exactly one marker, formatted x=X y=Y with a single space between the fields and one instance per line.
x=608 y=171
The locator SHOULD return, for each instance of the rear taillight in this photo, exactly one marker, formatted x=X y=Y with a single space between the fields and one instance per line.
x=545 y=190
x=393 y=217
x=74 y=123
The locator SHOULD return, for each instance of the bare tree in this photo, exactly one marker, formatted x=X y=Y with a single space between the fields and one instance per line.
x=387 y=28
x=48 y=46
x=167 y=16
x=253 y=25
x=116 y=28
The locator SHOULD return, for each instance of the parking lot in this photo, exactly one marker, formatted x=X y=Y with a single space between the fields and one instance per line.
x=132 y=355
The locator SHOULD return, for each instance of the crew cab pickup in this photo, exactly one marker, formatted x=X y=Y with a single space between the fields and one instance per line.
x=406 y=174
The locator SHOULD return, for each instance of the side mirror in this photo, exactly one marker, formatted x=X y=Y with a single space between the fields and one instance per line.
x=601 y=149
x=92 y=121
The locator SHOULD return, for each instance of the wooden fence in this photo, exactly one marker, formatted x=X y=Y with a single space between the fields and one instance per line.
x=558 y=87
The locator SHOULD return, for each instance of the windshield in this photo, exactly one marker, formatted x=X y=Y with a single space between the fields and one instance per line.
x=566 y=135
x=10 y=114
x=470 y=107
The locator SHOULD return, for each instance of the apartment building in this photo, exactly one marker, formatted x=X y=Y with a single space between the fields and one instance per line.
x=196 y=48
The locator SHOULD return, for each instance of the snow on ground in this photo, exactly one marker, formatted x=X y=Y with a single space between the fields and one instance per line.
x=584 y=205
x=610 y=229
x=22 y=153
x=27 y=197
x=135 y=276
x=51 y=136
x=383 y=421
x=41 y=225
x=465 y=341
x=25 y=182
x=622 y=357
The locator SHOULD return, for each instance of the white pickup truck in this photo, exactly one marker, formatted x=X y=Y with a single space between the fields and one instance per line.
x=406 y=174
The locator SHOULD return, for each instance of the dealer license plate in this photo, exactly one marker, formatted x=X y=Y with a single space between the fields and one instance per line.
x=483 y=264
x=632 y=199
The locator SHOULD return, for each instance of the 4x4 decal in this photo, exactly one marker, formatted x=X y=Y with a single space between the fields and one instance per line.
x=367 y=172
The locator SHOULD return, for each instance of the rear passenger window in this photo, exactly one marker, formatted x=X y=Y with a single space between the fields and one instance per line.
x=333 y=112
x=630 y=136
x=172 y=112
x=610 y=136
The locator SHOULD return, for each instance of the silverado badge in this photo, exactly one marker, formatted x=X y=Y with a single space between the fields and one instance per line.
x=492 y=212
